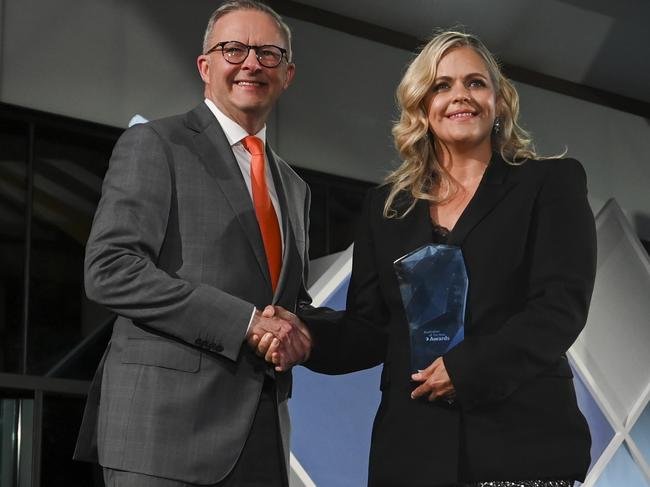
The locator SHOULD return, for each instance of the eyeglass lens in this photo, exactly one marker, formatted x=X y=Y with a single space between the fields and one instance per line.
x=235 y=52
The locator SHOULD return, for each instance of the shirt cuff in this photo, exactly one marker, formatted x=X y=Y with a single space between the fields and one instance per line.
x=250 y=322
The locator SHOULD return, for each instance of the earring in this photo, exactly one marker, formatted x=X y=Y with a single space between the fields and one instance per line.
x=497 y=125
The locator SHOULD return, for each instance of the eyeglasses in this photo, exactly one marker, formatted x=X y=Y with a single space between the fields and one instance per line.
x=236 y=52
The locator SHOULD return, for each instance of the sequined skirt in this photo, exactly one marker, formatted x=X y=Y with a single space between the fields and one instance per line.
x=521 y=483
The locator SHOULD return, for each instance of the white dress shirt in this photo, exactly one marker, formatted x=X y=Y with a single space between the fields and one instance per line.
x=235 y=133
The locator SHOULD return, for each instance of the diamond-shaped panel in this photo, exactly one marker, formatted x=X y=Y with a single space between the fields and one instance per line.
x=614 y=345
x=641 y=433
x=601 y=431
x=621 y=471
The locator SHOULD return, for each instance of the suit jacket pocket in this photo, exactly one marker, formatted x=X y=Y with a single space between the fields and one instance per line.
x=161 y=353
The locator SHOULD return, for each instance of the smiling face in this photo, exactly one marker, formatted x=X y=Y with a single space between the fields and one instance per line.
x=245 y=92
x=461 y=105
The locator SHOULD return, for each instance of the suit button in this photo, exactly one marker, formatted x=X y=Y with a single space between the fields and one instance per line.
x=215 y=347
x=199 y=342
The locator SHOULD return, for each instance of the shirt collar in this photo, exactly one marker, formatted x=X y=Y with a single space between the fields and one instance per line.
x=234 y=132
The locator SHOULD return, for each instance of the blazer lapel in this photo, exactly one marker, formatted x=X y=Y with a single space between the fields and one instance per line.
x=493 y=187
x=217 y=157
x=414 y=230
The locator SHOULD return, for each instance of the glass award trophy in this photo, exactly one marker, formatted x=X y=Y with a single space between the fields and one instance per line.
x=433 y=284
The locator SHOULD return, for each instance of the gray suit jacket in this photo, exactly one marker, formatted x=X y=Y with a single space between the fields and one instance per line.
x=176 y=252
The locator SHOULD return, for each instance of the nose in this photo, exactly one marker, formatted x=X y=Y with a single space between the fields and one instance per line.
x=251 y=61
x=460 y=92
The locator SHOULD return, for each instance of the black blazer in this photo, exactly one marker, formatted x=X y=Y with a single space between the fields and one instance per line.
x=528 y=239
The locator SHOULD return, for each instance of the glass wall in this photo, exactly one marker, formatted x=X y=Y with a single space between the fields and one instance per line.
x=51 y=170
x=67 y=178
x=13 y=194
x=16 y=445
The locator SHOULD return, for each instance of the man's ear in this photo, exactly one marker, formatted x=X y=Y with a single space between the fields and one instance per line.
x=203 y=64
x=291 y=72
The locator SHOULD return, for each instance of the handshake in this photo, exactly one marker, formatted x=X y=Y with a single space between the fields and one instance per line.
x=280 y=337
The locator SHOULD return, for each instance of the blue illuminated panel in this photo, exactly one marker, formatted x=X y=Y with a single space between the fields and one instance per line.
x=332 y=419
x=621 y=471
x=601 y=431
x=641 y=433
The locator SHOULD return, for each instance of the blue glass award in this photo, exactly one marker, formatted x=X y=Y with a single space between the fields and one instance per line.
x=433 y=284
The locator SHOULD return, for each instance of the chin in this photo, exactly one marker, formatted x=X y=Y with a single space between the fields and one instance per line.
x=471 y=138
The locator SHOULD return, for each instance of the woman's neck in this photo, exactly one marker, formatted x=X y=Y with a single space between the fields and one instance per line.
x=466 y=170
x=464 y=166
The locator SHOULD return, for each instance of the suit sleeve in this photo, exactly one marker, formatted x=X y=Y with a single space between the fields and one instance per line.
x=123 y=247
x=488 y=368
x=355 y=339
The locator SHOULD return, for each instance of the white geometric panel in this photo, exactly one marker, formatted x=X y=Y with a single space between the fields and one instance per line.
x=615 y=345
x=612 y=354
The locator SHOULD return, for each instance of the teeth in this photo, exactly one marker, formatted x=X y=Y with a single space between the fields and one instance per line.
x=462 y=115
x=248 y=83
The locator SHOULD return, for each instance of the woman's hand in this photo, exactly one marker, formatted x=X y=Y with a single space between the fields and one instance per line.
x=435 y=382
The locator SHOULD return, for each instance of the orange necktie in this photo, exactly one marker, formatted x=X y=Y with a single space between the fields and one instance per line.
x=266 y=216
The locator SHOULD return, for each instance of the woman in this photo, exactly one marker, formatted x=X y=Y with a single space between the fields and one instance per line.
x=499 y=409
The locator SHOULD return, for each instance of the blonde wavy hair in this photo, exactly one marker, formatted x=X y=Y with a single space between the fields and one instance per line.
x=421 y=170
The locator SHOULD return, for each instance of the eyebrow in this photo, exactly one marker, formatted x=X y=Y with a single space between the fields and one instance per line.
x=468 y=75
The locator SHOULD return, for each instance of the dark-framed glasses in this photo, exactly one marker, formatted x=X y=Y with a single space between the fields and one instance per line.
x=236 y=52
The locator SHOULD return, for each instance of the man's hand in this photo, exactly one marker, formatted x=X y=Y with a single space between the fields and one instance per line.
x=271 y=325
x=284 y=353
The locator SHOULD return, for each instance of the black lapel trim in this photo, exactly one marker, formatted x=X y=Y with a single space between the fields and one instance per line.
x=493 y=187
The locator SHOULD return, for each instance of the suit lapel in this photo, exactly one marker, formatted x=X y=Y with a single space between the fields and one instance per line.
x=290 y=251
x=217 y=157
x=493 y=187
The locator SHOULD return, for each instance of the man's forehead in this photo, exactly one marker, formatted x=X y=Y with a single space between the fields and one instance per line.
x=246 y=25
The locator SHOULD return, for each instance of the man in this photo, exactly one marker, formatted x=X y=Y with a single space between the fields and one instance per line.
x=200 y=227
